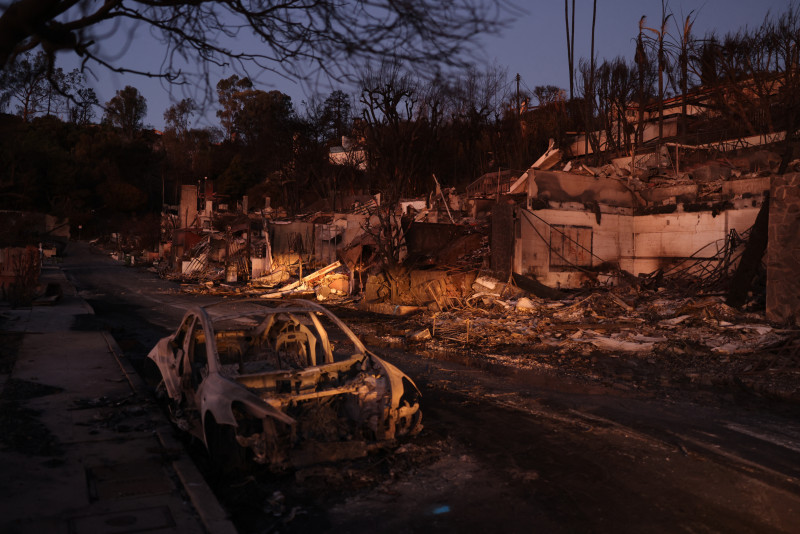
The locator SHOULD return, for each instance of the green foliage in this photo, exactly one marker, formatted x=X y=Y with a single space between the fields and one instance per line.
x=178 y=115
x=237 y=177
x=230 y=92
x=334 y=117
x=34 y=88
x=261 y=128
x=120 y=196
x=126 y=111
x=67 y=169
x=25 y=84
x=36 y=167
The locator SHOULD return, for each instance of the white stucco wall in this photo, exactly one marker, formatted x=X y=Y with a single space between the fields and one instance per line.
x=639 y=244
x=681 y=235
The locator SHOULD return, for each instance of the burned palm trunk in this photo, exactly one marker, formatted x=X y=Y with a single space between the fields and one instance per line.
x=751 y=259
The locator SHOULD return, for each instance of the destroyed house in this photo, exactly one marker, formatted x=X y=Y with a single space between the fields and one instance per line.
x=26 y=239
x=317 y=241
x=493 y=184
x=574 y=227
x=351 y=152
x=662 y=120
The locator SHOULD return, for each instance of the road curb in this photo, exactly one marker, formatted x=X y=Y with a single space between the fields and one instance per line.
x=205 y=503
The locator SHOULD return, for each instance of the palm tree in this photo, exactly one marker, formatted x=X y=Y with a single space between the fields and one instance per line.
x=570 y=46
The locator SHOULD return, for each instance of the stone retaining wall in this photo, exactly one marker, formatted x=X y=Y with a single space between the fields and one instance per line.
x=783 y=250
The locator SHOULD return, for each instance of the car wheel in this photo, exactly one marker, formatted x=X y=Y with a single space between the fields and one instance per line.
x=151 y=373
x=160 y=392
x=228 y=458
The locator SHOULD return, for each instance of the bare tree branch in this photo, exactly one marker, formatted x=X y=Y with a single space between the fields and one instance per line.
x=294 y=34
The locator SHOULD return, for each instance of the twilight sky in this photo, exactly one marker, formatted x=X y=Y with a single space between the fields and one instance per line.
x=533 y=46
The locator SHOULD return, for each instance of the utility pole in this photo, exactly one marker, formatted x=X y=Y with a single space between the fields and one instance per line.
x=519 y=105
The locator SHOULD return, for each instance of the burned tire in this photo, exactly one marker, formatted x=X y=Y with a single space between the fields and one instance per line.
x=150 y=373
x=228 y=458
x=160 y=392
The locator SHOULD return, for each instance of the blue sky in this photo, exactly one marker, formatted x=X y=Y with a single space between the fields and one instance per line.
x=533 y=46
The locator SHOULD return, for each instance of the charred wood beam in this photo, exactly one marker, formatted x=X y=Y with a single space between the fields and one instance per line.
x=537 y=288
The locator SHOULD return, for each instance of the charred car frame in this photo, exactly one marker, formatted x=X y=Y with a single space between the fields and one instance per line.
x=281 y=383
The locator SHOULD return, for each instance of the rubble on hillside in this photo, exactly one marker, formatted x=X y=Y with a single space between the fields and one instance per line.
x=610 y=269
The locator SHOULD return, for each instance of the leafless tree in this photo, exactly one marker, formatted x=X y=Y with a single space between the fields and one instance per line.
x=84 y=102
x=615 y=88
x=756 y=77
x=294 y=34
x=548 y=94
x=401 y=117
x=588 y=94
x=645 y=76
x=390 y=99
x=330 y=126
x=656 y=39
x=476 y=100
x=477 y=97
x=548 y=119
x=684 y=45
x=621 y=92
x=36 y=88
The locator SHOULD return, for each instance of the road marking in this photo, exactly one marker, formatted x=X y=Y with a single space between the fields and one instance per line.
x=769 y=438
x=748 y=465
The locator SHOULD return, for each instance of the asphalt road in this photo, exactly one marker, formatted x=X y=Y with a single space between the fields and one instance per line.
x=511 y=451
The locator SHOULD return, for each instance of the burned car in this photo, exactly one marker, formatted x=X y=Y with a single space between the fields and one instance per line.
x=281 y=383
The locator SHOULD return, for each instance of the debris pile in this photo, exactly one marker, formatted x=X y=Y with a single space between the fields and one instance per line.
x=597 y=266
x=620 y=338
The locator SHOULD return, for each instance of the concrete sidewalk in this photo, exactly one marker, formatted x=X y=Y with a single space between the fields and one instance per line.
x=102 y=457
